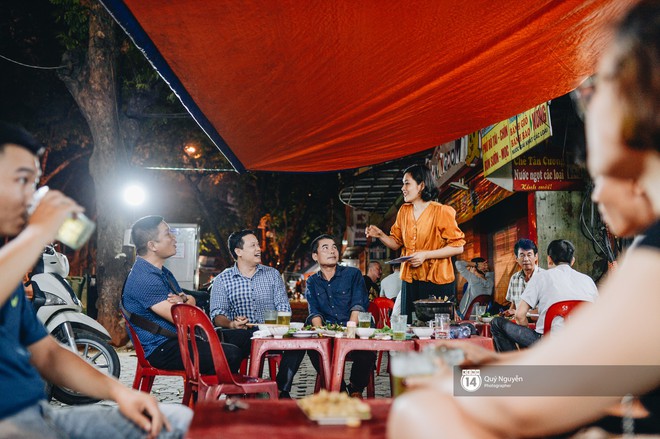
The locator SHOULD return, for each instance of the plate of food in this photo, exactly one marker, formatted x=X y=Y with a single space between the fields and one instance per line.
x=485 y=317
x=384 y=333
x=331 y=329
x=334 y=408
x=304 y=334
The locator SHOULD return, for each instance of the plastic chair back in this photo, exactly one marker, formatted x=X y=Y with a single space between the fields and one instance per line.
x=193 y=324
x=381 y=309
x=484 y=299
x=559 y=309
x=145 y=372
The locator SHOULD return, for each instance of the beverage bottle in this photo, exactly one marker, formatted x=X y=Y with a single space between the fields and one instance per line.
x=350 y=329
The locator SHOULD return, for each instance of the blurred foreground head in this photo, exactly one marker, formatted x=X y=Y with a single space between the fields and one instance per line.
x=623 y=120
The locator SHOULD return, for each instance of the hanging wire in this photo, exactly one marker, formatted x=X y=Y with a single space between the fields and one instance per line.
x=30 y=66
x=595 y=229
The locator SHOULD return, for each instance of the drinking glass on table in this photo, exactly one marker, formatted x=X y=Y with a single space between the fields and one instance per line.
x=407 y=364
x=284 y=317
x=442 y=323
x=364 y=320
x=399 y=326
x=270 y=317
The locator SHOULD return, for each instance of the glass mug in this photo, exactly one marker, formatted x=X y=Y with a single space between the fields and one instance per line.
x=399 y=326
x=407 y=364
x=364 y=320
x=442 y=326
x=270 y=317
x=284 y=317
x=75 y=231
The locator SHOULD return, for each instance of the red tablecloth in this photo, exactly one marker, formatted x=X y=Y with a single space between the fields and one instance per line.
x=280 y=419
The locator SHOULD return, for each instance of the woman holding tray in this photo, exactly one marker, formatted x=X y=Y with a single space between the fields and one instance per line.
x=429 y=235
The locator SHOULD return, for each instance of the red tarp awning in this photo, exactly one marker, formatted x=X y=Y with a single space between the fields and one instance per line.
x=318 y=85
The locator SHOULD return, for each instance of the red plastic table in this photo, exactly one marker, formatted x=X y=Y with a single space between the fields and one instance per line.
x=280 y=419
x=485 y=342
x=345 y=345
x=261 y=346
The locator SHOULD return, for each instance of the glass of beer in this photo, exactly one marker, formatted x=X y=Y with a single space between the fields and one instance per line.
x=399 y=326
x=284 y=317
x=270 y=317
x=364 y=320
x=407 y=364
x=75 y=231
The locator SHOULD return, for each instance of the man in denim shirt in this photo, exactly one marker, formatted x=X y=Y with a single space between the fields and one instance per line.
x=336 y=294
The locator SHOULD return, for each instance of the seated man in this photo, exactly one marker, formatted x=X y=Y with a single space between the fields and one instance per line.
x=560 y=282
x=390 y=287
x=27 y=352
x=242 y=293
x=336 y=294
x=527 y=257
x=374 y=271
x=151 y=290
x=480 y=281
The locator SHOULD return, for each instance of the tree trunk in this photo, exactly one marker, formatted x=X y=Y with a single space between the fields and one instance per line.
x=92 y=82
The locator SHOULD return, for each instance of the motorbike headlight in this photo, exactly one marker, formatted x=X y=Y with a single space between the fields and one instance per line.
x=52 y=299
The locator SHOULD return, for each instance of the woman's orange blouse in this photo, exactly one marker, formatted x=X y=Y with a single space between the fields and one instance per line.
x=436 y=228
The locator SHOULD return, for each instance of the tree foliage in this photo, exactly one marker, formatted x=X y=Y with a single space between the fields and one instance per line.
x=115 y=118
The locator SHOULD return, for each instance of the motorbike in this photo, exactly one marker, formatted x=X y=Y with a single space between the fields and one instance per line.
x=60 y=311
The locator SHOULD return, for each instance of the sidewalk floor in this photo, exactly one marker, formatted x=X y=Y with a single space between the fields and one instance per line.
x=170 y=389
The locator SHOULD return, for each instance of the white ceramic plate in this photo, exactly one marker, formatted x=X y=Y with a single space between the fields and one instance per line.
x=304 y=334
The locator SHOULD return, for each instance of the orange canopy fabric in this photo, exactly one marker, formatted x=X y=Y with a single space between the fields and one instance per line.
x=319 y=85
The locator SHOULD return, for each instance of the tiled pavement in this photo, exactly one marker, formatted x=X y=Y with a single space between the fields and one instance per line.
x=170 y=389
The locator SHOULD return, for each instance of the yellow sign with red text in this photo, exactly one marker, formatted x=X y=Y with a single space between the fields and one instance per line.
x=506 y=140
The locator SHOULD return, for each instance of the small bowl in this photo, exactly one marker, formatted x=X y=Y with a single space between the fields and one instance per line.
x=263 y=327
x=486 y=319
x=365 y=332
x=297 y=325
x=423 y=332
x=278 y=331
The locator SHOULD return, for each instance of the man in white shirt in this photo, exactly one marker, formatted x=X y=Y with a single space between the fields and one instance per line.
x=546 y=288
x=390 y=287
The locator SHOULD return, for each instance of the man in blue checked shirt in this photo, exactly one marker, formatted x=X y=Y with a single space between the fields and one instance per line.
x=242 y=293
x=337 y=294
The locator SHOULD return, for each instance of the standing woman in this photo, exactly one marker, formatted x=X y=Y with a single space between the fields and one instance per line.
x=428 y=233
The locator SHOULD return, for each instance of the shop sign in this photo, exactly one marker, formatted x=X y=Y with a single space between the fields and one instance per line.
x=545 y=173
x=506 y=140
x=356 y=235
x=473 y=148
x=448 y=159
x=482 y=195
